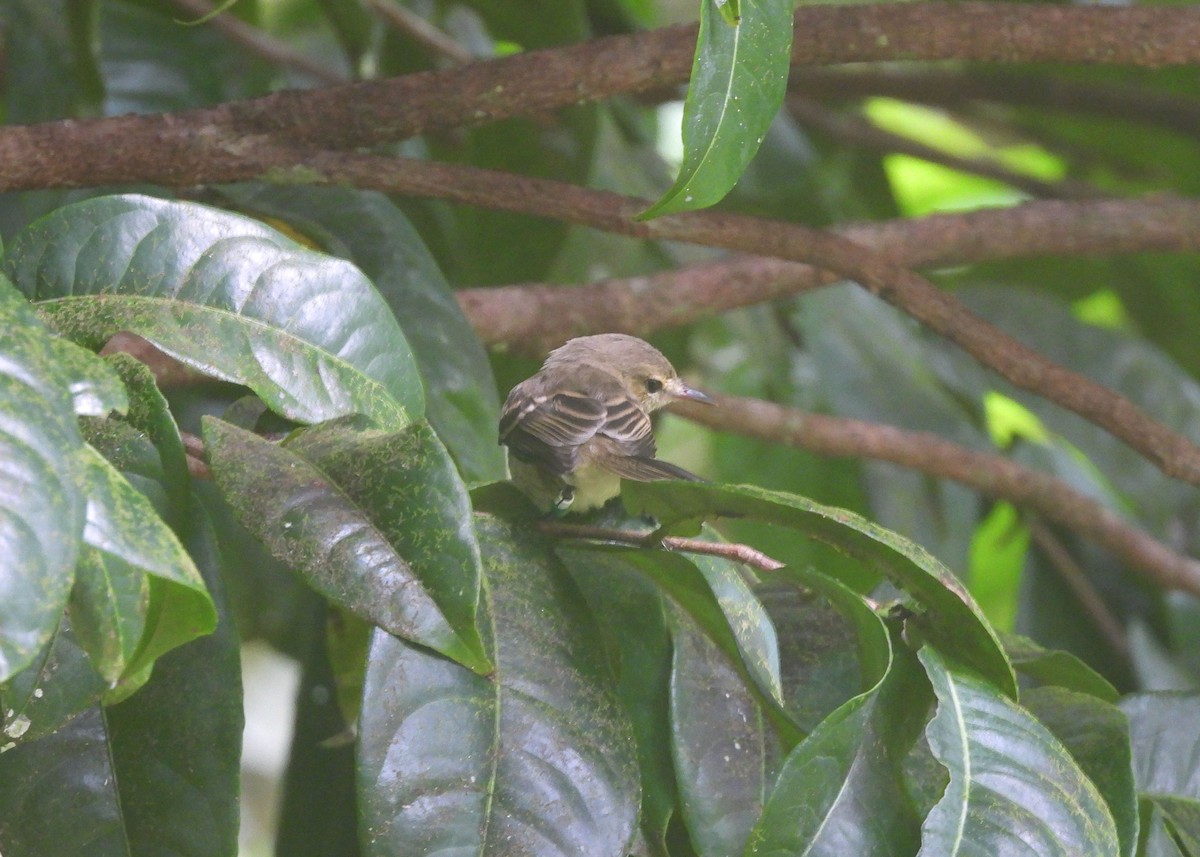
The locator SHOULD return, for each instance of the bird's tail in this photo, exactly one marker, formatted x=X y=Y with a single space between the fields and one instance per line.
x=648 y=469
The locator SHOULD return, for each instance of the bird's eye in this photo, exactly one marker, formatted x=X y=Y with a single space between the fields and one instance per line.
x=653 y=385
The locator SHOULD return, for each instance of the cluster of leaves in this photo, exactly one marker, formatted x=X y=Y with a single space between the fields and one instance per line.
x=510 y=694
x=518 y=697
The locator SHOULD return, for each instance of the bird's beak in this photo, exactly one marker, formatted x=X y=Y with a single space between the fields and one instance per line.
x=680 y=390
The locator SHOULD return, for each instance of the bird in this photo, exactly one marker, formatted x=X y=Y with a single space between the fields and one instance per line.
x=581 y=424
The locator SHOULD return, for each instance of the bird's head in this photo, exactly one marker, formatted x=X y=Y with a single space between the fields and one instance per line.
x=647 y=376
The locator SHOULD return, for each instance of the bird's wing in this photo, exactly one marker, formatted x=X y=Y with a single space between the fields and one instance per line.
x=628 y=427
x=548 y=430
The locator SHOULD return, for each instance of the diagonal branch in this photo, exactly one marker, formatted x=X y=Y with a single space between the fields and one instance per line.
x=992 y=475
x=1173 y=453
x=532 y=318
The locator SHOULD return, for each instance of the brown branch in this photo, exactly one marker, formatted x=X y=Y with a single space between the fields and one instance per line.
x=1022 y=366
x=736 y=552
x=991 y=475
x=221 y=144
x=532 y=318
x=260 y=43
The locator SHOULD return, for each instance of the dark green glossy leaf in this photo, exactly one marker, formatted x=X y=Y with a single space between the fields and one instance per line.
x=630 y=611
x=840 y=791
x=1053 y=667
x=96 y=390
x=349 y=540
x=370 y=231
x=536 y=759
x=1165 y=750
x=225 y=295
x=124 y=620
x=1096 y=734
x=734 y=620
x=58 y=797
x=818 y=654
x=157 y=774
x=59 y=685
x=150 y=414
x=409 y=489
x=176 y=744
x=41 y=504
x=950 y=616
x=1014 y=789
x=718 y=742
x=738 y=80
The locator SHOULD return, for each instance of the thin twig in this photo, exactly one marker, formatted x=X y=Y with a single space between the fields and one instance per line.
x=1076 y=579
x=411 y=24
x=992 y=475
x=736 y=552
x=259 y=43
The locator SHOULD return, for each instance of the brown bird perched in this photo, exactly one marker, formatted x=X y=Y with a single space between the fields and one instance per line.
x=582 y=423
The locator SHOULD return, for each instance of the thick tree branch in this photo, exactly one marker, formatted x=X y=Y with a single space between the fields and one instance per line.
x=220 y=144
x=992 y=475
x=532 y=318
x=1173 y=453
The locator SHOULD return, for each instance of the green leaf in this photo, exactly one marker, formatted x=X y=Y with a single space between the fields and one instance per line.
x=58 y=686
x=176 y=744
x=41 y=504
x=630 y=611
x=948 y=613
x=840 y=791
x=718 y=742
x=96 y=390
x=407 y=485
x=537 y=758
x=149 y=414
x=818 y=651
x=138 y=594
x=350 y=539
x=370 y=231
x=1165 y=750
x=739 y=78
x=58 y=797
x=157 y=774
x=1013 y=787
x=1096 y=734
x=225 y=295
x=1053 y=667
x=728 y=614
